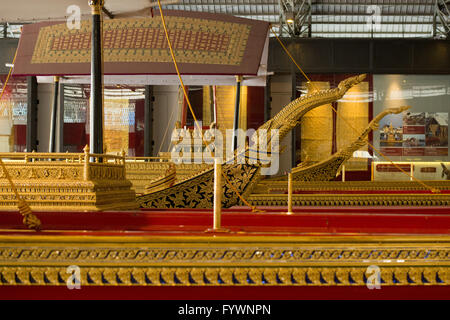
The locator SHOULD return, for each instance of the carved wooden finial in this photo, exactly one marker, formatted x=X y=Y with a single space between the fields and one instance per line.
x=86 y=149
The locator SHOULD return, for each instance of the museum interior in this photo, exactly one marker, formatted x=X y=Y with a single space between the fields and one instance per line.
x=224 y=149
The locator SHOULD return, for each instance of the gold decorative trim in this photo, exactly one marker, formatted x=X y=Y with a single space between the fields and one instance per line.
x=227 y=260
x=214 y=276
x=272 y=185
x=351 y=199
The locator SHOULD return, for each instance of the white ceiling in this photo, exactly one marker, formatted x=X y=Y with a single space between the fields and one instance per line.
x=330 y=18
x=16 y=11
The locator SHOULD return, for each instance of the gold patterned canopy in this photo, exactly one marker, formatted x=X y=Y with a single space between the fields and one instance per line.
x=203 y=44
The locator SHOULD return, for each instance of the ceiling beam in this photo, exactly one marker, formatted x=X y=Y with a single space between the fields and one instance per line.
x=370 y=32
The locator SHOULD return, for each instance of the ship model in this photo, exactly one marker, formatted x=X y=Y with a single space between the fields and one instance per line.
x=197 y=191
x=122 y=247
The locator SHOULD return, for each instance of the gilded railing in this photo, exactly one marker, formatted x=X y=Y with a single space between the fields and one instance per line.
x=71 y=166
x=73 y=181
x=350 y=193
x=141 y=171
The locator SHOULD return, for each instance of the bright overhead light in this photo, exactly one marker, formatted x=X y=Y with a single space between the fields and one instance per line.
x=163 y=3
x=290 y=17
x=9 y=65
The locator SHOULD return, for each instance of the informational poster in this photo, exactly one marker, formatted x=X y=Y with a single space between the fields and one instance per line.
x=402 y=171
x=414 y=134
x=436 y=134
x=391 y=135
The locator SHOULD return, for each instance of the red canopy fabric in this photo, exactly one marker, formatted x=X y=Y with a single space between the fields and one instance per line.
x=204 y=44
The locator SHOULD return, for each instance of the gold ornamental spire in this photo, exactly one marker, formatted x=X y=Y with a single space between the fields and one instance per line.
x=96 y=6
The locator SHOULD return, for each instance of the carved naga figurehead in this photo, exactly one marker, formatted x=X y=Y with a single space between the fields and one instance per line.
x=290 y=115
x=273 y=131
x=346 y=84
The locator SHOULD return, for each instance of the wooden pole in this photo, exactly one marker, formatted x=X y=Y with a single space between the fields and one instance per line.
x=289 y=194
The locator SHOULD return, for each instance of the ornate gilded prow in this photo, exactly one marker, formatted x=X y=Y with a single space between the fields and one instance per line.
x=197 y=191
x=328 y=169
x=288 y=118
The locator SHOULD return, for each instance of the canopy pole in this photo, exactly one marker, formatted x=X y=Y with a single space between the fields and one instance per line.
x=236 y=112
x=96 y=103
x=52 y=142
x=148 y=121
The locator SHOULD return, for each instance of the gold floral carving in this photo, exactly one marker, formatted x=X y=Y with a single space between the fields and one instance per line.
x=240 y=261
x=198 y=192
